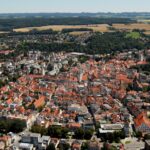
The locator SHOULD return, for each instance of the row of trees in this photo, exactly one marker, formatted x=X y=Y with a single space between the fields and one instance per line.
x=106 y=146
x=113 y=137
x=76 y=29
x=62 y=132
x=32 y=32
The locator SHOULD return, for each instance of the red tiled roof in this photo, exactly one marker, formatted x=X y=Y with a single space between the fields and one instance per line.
x=4 y=138
x=74 y=125
x=142 y=119
x=40 y=102
x=9 y=101
x=123 y=78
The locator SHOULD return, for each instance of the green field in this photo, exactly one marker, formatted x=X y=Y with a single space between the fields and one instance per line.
x=134 y=35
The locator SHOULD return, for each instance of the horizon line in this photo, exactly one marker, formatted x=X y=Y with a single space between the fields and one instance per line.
x=75 y=12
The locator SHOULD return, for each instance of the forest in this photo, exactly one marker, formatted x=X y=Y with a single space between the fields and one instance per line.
x=98 y=43
x=8 y=24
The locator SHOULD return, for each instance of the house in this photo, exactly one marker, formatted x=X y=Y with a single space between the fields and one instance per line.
x=94 y=144
x=74 y=125
x=2 y=145
x=35 y=139
x=127 y=129
x=26 y=146
x=94 y=108
x=81 y=109
x=88 y=124
x=142 y=123
x=5 y=141
x=55 y=141
x=134 y=144
x=44 y=142
x=110 y=128
x=76 y=145
x=31 y=138
x=39 y=102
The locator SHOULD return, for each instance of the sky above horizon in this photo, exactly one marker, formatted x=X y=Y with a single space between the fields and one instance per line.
x=26 y=6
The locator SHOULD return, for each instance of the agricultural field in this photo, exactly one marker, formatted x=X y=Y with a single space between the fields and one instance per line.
x=2 y=32
x=139 y=26
x=96 y=28
x=145 y=21
x=99 y=27
x=147 y=32
x=78 y=32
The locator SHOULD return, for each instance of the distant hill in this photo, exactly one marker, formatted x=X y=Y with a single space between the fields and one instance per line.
x=139 y=15
x=8 y=24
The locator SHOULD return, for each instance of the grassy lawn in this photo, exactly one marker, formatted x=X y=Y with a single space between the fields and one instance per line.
x=134 y=35
x=127 y=142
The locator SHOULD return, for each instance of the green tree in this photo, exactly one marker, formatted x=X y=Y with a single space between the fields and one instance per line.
x=51 y=146
x=64 y=146
x=17 y=125
x=39 y=129
x=84 y=146
x=88 y=134
x=79 y=133
x=57 y=131
x=147 y=136
x=138 y=134
x=13 y=125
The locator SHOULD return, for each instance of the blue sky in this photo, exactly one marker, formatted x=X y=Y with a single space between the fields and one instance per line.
x=74 y=5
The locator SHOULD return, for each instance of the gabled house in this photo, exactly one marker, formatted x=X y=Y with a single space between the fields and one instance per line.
x=142 y=123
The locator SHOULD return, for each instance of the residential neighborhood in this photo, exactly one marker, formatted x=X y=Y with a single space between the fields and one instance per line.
x=60 y=102
x=74 y=75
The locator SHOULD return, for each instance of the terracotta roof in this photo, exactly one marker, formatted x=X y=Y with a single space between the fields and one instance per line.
x=85 y=77
x=74 y=125
x=142 y=119
x=21 y=109
x=4 y=138
x=123 y=78
x=39 y=102
x=142 y=63
x=9 y=101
